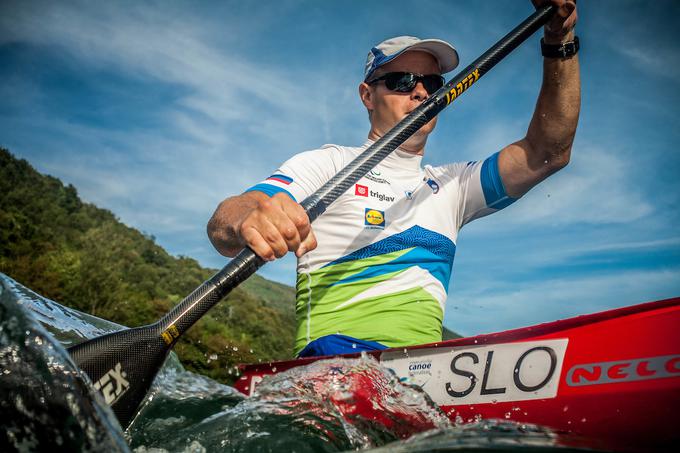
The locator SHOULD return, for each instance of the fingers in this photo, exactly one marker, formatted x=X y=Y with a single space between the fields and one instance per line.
x=307 y=245
x=563 y=21
x=263 y=237
x=277 y=226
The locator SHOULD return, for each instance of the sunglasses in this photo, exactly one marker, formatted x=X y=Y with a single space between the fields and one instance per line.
x=405 y=82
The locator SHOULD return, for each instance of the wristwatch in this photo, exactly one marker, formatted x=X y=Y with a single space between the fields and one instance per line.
x=563 y=50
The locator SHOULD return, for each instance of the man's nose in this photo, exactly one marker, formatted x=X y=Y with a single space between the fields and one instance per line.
x=419 y=93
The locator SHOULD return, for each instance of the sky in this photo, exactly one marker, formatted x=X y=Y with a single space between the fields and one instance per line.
x=157 y=111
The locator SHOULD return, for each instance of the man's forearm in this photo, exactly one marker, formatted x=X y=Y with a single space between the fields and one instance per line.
x=553 y=126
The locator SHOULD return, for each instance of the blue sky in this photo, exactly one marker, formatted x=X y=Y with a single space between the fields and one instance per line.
x=159 y=110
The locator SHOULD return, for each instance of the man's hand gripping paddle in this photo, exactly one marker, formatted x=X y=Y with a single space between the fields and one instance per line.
x=123 y=364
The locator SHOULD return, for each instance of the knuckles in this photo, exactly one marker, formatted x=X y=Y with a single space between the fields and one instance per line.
x=290 y=223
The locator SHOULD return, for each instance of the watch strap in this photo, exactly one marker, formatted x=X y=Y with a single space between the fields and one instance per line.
x=563 y=50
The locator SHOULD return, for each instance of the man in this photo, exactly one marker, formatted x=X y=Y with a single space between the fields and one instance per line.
x=379 y=276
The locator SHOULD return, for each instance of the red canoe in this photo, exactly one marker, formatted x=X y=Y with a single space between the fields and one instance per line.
x=612 y=376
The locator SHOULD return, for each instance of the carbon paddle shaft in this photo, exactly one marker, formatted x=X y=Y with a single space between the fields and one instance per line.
x=122 y=365
x=246 y=262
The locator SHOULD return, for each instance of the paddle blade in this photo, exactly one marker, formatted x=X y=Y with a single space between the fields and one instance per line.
x=122 y=366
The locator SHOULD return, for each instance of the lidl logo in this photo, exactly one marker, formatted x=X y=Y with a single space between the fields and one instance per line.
x=360 y=190
x=374 y=218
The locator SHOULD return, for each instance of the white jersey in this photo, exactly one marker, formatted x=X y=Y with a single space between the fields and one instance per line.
x=382 y=267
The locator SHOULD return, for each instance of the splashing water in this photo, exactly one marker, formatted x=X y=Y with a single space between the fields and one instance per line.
x=326 y=406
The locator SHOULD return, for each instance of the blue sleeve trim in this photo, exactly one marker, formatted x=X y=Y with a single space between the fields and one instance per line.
x=492 y=185
x=270 y=190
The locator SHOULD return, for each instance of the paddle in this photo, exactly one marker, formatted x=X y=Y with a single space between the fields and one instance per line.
x=123 y=364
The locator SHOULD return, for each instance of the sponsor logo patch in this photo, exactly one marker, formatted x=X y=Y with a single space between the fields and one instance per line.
x=281 y=178
x=433 y=185
x=374 y=176
x=360 y=190
x=374 y=218
x=381 y=196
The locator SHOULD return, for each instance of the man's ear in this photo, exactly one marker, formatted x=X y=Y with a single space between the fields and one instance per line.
x=366 y=95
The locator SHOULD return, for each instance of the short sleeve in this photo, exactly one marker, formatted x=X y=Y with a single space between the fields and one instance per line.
x=302 y=174
x=479 y=187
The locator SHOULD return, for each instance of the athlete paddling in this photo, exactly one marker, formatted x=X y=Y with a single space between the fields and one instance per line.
x=374 y=270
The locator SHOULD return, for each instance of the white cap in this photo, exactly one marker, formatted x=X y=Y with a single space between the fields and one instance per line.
x=388 y=50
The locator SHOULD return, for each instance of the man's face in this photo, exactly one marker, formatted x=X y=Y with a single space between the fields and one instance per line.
x=389 y=107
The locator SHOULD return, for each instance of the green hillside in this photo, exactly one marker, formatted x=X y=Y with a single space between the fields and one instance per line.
x=83 y=257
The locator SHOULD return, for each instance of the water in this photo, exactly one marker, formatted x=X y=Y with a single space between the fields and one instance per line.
x=46 y=404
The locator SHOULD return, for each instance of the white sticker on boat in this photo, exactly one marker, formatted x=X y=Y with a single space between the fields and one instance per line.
x=482 y=374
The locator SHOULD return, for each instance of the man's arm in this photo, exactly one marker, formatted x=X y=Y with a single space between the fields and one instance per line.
x=270 y=226
x=547 y=145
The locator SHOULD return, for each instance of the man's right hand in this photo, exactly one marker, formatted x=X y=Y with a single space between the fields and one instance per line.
x=269 y=226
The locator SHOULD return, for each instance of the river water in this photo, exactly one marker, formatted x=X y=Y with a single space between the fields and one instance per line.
x=46 y=404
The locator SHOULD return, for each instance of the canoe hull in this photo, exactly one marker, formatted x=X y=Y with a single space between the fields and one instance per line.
x=612 y=376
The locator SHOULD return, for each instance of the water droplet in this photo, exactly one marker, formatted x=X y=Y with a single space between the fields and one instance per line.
x=234 y=348
x=507 y=415
x=273 y=369
x=583 y=420
x=213 y=356
x=354 y=345
x=565 y=408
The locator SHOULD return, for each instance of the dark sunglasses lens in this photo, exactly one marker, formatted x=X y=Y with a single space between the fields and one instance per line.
x=432 y=83
x=405 y=82
x=402 y=82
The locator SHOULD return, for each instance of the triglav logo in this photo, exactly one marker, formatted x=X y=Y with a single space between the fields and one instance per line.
x=360 y=190
x=364 y=191
x=113 y=384
x=381 y=196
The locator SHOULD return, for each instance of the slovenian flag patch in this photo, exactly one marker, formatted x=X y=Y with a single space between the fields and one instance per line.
x=283 y=179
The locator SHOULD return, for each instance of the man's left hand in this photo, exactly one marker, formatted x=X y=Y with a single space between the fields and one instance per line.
x=561 y=24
